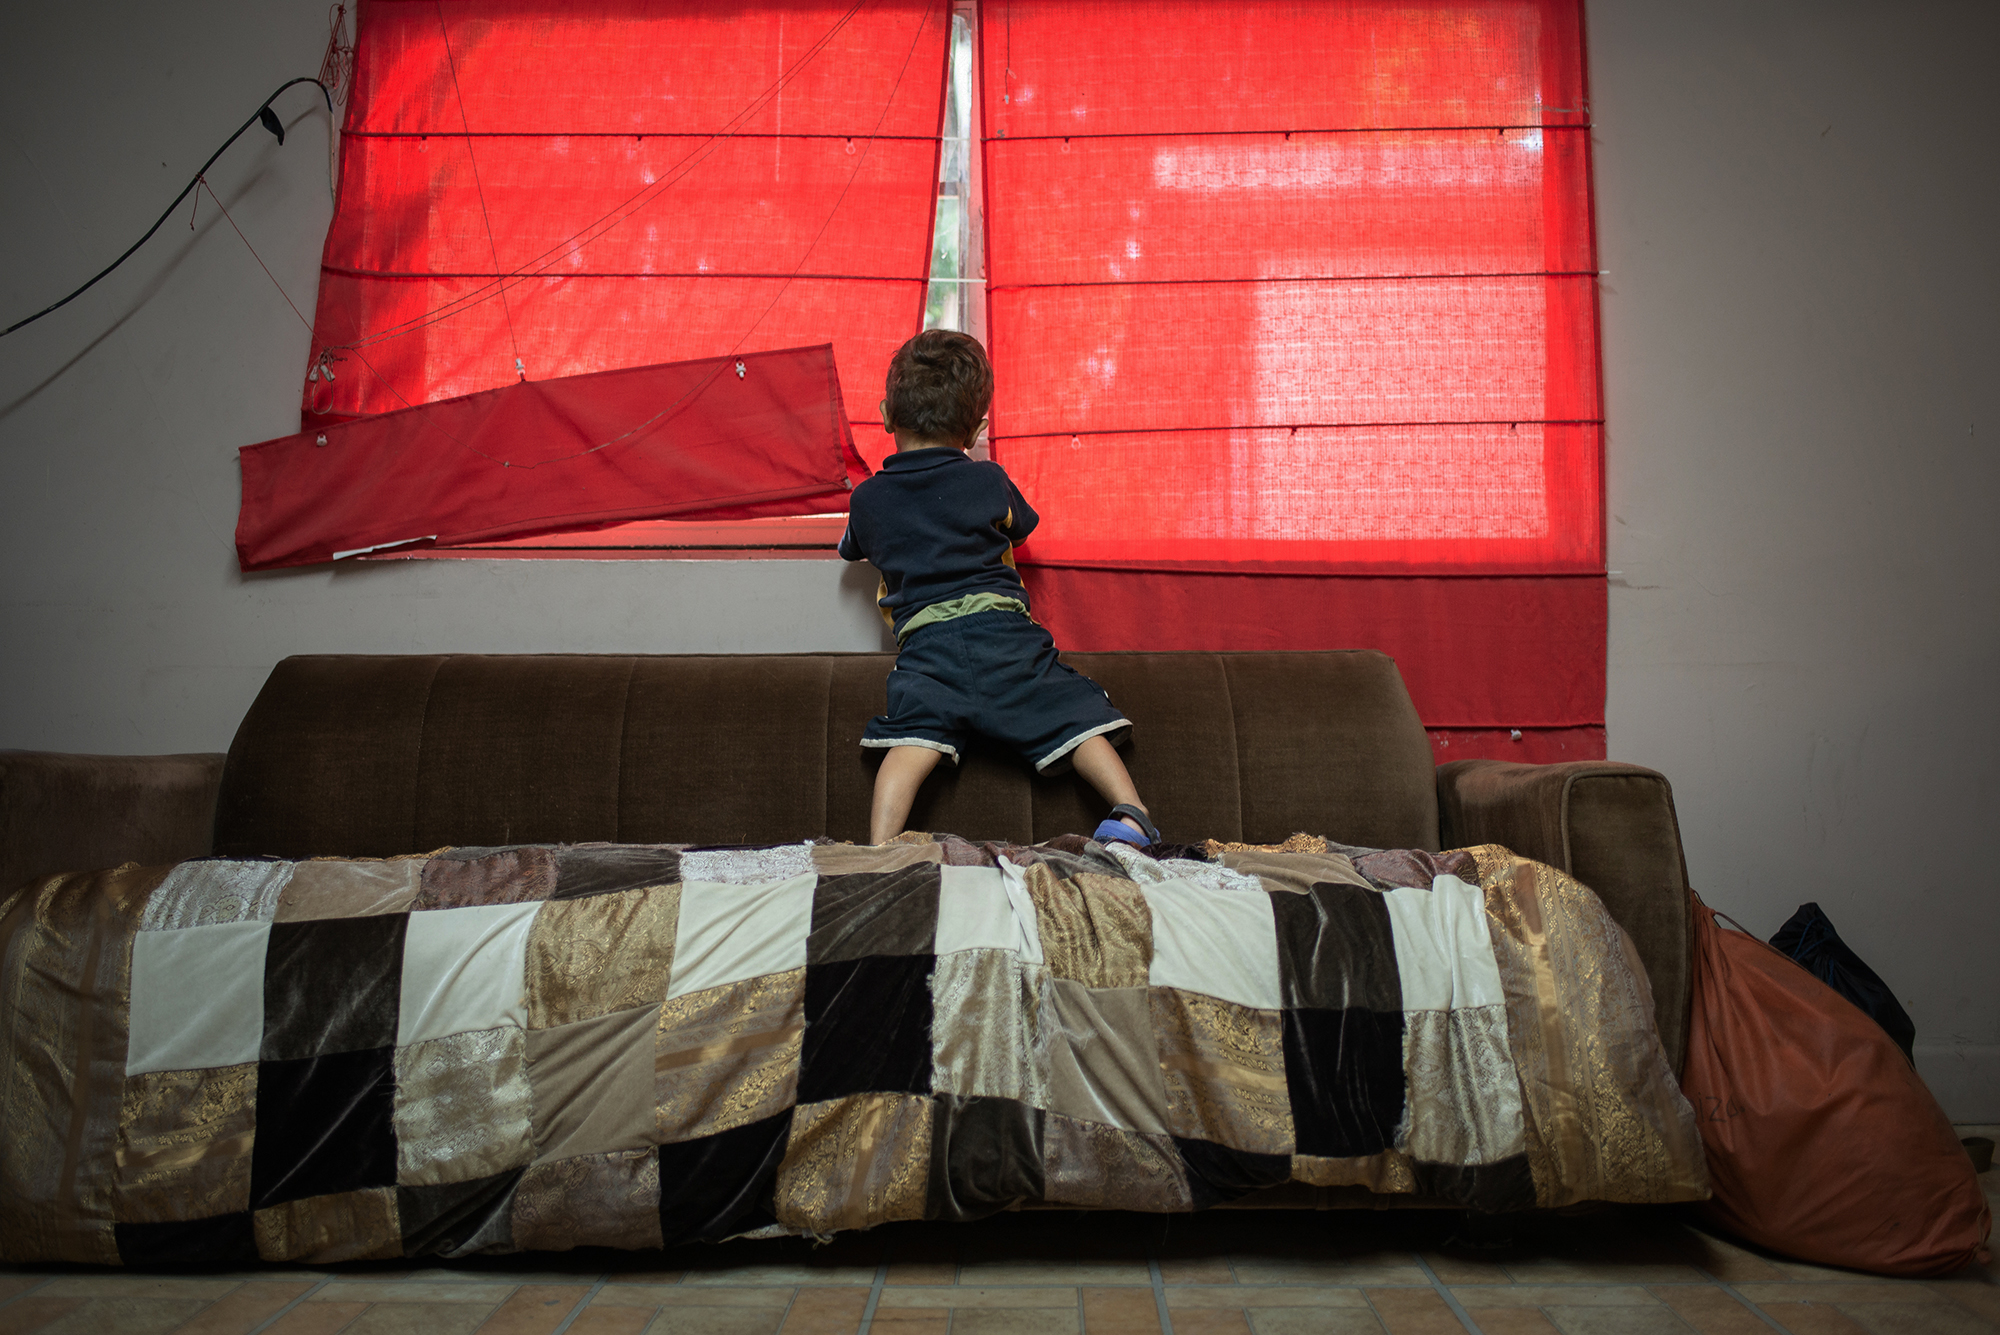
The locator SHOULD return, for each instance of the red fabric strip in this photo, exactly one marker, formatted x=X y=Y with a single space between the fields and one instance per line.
x=1478 y=653
x=692 y=440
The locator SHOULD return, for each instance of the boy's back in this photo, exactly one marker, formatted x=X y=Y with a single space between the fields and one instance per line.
x=939 y=527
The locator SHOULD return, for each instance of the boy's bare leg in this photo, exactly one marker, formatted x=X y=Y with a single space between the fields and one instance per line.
x=1099 y=763
x=903 y=771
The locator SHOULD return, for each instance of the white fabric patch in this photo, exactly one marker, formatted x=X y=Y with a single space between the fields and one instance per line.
x=728 y=933
x=197 y=997
x=204 y=893
x=1444 y=955
x=1220 y=943
x=462 y=970
x=980 y=908
x=1144 y=870
x=747 y=866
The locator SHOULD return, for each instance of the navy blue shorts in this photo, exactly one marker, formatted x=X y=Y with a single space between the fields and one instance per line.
x=995 y=675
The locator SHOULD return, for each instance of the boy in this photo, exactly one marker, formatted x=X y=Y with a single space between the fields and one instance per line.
x=942 y=528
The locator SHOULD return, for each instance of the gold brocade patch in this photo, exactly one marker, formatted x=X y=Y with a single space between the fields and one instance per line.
x=1093 y=1165
x=67 y=962
x=463 y=1107
x=850 y=859
x=592 y=956
x=989 y=1031
x=1605 y=1121
x=593 y=1200
x=1298 y=872
x=350 y=1226
x=1224 y=1066
x=1388 y=1172
x=1096 y=930
x=728 y=1056
x=1298 y=843
x=184 y=1140
x=856 y=1162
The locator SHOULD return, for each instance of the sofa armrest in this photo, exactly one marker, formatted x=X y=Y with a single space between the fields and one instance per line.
x=79 y=813
x=1610 y=826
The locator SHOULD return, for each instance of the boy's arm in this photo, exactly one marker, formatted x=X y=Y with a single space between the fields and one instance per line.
x=850 y=550
x=1021 y=516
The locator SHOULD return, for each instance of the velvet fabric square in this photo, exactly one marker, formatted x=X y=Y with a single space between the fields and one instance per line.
x=1336 y=949
x=1103 y=1060
x=583 y=870
x=592 y=1200
x=986 y=1154
x=462 y=970
x=332 y=985
x=729 y=1056
x=855 y=1162
x=1344 y=1078
x=868 y=1028
x=350 y=888
x=874 y=913
x=1218 y=1174
x=718 y=1186
x=325 y=1125
x=609 y=952
x=197 y=997
x=1219 y=942
x=326 y=1230
x=986 y=908
x=220 y=1240
x=470 y=877
x=727 y=932
x=592 y=1084
x=456 y=1218
x=184 y=1141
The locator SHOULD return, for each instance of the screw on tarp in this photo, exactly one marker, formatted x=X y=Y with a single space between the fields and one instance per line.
x=739 y=370
x=321 y=442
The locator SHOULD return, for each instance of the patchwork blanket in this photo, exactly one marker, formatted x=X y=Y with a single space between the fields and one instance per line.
x=492 y=1049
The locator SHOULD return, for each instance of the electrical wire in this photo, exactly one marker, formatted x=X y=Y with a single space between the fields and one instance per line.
x=263 y=110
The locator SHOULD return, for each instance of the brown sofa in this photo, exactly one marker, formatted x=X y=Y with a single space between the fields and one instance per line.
x=370 y=756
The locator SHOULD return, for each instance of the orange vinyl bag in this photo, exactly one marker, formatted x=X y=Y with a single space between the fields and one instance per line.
x=1823 y=1143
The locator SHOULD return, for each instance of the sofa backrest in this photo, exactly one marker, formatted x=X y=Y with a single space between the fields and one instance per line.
x=378 y=755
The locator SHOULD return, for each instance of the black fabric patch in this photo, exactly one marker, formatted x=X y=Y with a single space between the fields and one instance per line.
x=875 y=913
x=1344 y=1073
x=324 y=1125
x=868 y=1028
x=986 y=1154
x=1490 y=1188
x=1336 y=950
x=715 y=1187
x=1217 y=1174
x=332 y=985
x=443 y=1219
x=225 y=1239
x=584 y=870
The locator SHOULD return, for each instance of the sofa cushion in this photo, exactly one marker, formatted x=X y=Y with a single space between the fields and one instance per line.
x=371 y=756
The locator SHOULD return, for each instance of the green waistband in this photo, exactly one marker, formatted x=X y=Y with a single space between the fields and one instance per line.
x=953 y=608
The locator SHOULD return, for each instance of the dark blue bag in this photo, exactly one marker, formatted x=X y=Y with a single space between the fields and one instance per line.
x=1809 y=939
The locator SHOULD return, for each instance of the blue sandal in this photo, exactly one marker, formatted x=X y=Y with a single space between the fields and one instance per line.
x=1113 y=828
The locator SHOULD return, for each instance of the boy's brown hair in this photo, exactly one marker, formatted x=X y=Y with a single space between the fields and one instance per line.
x=940 y=385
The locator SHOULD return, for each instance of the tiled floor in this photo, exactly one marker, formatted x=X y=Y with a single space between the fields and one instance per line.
x=1050 y=1273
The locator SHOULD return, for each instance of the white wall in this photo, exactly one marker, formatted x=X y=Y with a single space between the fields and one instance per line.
x=1796 y=202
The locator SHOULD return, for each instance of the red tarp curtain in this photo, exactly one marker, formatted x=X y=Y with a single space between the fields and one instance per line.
x=626 y=183
x=764 y=433
x=1306 y=290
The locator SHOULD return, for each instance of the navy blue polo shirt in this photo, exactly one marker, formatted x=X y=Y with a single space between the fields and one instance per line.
x=938 y=525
